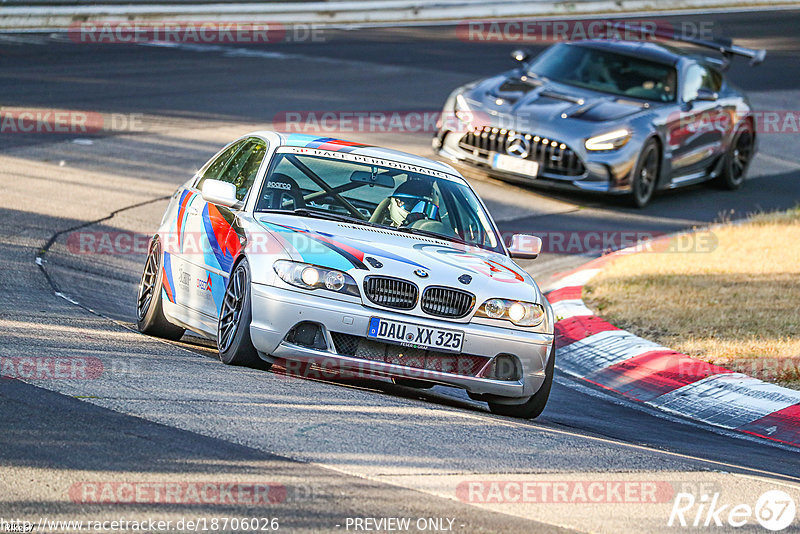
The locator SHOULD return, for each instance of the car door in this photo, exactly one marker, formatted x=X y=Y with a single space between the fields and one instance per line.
x=696 y=132
x=217 y=226
x=183 y=247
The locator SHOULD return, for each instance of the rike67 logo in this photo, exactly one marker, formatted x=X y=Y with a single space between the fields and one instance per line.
x=774 y=510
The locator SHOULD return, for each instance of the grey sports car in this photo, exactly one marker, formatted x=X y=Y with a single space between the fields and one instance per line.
x=609 y=116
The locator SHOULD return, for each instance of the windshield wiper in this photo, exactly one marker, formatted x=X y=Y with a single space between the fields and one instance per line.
x=319 y=214
x=304 y=212
x=428 y=233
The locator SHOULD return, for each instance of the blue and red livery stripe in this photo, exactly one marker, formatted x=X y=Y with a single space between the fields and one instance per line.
x=166 y=278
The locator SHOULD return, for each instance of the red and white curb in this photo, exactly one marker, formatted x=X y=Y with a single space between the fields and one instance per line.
x=594 y=350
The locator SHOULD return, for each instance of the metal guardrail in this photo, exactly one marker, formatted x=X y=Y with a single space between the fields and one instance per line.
x=61 y=14
x=43 y=3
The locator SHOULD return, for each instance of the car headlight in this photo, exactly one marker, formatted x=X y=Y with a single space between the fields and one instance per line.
x=309 y=276
x=518 y=312
x=462 y=110
x=608 y=141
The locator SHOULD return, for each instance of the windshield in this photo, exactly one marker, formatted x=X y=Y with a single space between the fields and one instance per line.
x=378 y=192
x=608 y=72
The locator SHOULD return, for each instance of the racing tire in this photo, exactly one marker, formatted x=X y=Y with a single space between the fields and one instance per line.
x=645 y=175
x=737 y=159
x=150 y=318
x=533 y=407
x=233 y=327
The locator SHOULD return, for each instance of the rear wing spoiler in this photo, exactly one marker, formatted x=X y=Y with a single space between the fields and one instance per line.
x=723 y=45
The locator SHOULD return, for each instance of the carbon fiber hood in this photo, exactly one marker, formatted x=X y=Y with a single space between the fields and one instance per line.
x=512 y=100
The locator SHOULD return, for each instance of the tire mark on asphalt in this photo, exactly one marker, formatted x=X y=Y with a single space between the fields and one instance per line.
x=41 y=259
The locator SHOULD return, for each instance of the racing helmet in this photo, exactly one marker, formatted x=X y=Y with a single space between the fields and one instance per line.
x=414 y=196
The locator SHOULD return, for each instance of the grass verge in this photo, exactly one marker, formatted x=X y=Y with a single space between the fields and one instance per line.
x=737 y=305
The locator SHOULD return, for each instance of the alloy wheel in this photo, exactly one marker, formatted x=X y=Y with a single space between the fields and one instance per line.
x=742 y=152
x=231 y=308
x=648 y=174
x=147 y=286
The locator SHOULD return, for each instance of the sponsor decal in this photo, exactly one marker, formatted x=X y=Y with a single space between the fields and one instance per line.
x=204 y=285
x=460 y=258
x=279 y=185
x=183 y=277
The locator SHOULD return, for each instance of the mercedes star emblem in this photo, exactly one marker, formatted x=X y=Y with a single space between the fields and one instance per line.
x=518 y=146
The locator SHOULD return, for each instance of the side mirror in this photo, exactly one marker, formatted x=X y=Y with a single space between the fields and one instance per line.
x=706 y=95
x=217 y=192
x=520 y=55
x=525 y=247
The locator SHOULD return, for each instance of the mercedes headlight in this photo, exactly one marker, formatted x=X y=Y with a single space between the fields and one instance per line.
x=462 y=110
x=518 y=312
x=608 y=141
x=309 y=276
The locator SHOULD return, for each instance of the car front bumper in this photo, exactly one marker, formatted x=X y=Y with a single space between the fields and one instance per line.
x=606 y=171
x=276 y=311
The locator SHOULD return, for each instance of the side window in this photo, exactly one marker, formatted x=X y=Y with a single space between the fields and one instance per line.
x=245 y=178
x=242 y=169
x=714 y=80
x=698 y=77
x=215 y=169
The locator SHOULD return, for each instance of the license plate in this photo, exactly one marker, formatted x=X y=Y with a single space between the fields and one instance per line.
x=411 y=335
x=527 y=167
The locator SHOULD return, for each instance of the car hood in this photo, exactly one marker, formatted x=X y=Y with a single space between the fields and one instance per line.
x=367 y=251
x=515 y=102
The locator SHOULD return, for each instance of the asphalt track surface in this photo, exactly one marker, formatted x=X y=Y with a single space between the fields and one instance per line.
x=172 y=412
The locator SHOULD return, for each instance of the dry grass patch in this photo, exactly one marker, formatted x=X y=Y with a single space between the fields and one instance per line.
x=737 y=306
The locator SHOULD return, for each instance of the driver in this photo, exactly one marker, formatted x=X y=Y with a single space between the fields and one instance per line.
x=413 y=200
